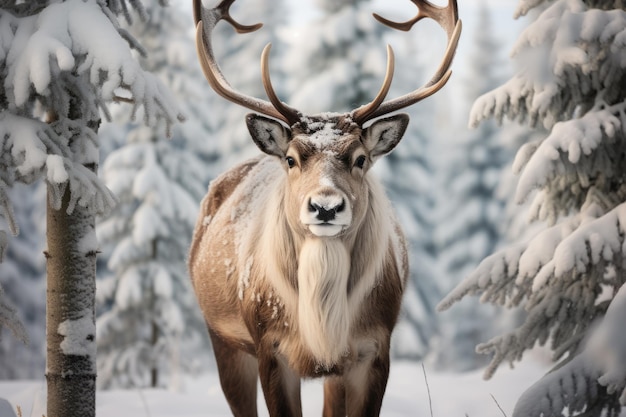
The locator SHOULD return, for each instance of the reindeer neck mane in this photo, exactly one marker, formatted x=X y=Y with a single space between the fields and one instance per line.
x=323 y=281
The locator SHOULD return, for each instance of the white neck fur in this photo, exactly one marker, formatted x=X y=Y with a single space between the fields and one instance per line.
x=323 y=310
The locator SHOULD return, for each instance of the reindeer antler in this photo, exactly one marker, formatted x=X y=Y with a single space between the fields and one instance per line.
x=448 y=19
x=206 y=19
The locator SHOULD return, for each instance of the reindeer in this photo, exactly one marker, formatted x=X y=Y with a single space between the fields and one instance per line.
x=297 y=260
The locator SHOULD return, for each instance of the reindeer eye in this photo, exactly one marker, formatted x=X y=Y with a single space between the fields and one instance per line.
x=290 y=161
x=360 y=161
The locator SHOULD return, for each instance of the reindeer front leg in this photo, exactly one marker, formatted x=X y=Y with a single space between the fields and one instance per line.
x=334 y=397
x=281 y=386
x=365 y=382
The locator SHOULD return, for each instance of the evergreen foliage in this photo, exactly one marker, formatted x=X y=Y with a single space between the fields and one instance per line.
x=569 y=276
x=62 y=62
x=151 y=315
x=46 y=68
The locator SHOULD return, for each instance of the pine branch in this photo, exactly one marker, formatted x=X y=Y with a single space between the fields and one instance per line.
x=573 y=387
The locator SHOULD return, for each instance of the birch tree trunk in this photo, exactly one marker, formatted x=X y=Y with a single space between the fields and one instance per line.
x=71 y=329
x=71 y=291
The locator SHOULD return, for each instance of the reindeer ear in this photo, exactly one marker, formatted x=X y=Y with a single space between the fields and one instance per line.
x=269 y=135
x=383 y=135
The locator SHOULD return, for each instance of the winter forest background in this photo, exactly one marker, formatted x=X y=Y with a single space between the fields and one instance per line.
x=549 y=118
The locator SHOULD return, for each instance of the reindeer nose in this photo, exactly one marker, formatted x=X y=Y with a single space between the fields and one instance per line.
x=326 y=212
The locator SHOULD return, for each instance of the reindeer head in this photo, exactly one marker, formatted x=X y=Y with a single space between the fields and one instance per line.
x=326 y=156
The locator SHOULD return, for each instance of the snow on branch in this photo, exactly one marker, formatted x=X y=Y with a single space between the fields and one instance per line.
x=562 y=277
x=24 y=150
x=512 y=100
x=579 y=139
x=61 y=39
x=593 y=381
x=569 y=390
x=607 y=348
x=594 y=241
x=34 y=149
x=566 y=46
x=570 y=277
x=495 y=277
x=505 y=274
x=571 y=24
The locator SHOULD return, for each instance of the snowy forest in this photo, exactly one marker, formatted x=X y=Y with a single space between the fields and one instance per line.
x=507 y=184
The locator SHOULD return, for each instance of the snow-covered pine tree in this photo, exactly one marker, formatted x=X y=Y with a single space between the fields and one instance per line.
x=337 y=63
x=470 y=212
x=61 y=62
x=149 y=325
x=570 y=276
x=151 y=318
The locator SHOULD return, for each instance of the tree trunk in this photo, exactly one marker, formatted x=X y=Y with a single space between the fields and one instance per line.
x=70 y=323
x=154 y=372
x=154 y=340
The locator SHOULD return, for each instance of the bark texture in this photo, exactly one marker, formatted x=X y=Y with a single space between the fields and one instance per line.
x=70 y=296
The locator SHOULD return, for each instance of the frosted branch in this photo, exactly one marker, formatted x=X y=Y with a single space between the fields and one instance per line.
x=559 y=275
x=494 y=277
x=61 y=40
x=578 y=139
x=566 y=46
x=607 y=348
x=593 y=381
x=594 y=241
x=41 y=152
x=87 y=190
x=573 y=388
x=134 y=44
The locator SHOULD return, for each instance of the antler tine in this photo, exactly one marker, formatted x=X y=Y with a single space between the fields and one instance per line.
x=363 y=112
x=447 y=18
x=291 y=114
x=206 y=20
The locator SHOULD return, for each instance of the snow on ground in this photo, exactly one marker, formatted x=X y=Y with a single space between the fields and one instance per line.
x=452 y=395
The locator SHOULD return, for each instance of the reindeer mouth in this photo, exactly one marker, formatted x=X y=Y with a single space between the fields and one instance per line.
x=326 y=229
